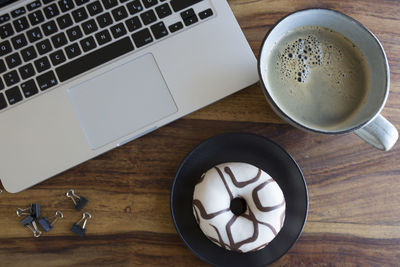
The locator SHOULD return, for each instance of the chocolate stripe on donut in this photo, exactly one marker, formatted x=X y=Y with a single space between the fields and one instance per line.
x=201 y=178
x=253 y=219
x=258 y=202
x=224 y=181
x=269 y=226
x=241 y=184
x=219 y=241
x=196 y=215
x=203 y=212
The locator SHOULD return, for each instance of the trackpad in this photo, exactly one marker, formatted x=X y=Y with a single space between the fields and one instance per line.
x=122 y=101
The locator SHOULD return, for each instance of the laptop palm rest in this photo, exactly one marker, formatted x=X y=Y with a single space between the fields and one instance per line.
x=122 y=101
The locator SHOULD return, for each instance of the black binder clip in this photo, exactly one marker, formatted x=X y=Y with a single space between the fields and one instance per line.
x=79 y=202
x=33 y=210
x=30 y=223
x=48 y=223
x=27 y=220
x=77 y=228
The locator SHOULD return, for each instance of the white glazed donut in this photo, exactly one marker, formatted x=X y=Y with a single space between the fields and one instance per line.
x=265 y=206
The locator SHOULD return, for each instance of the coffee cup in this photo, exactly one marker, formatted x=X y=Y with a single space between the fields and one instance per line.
x=324 y=72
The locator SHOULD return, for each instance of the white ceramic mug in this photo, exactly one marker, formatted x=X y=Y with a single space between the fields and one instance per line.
x=368 y=123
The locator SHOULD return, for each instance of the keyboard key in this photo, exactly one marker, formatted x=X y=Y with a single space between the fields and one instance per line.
x=18 y=12
x=21 y=24
x=149 y=3
x=94 y=59
x=19 y=41
x=6 y=31
x=74 y=33
x=59 y=40
x=26 y=71
x=88 y=44
x=34 y=34
x=159 y=30
x=206 y=13
x=45 y=2
x=4 y=18
x=119 y=13
x=178 y=5
x=148 y=17
x=64 y=21
x=187 y=13
x=80 y=14
x=175 y=27
x=103 y=37
x=51 y=11
x=13 y=60
x=94 y=8
x=28 y=53
x=109 y=3
x=191 y=20
x=73 y=50
x=89 y=26
x=47 y=80
x=11 y=78
x=104 y=20
x=42 y=64
x=5 y=48
x=33 y=5
x=118 y=30
x=29 y=88
x=3 y=67
x=81 y=2
x=49 y=28
x=142 y=38
x=57 y=57
x=66 y=5
x=134 y=7
x=44 y=47
x=14 y=95
x=3 y=103
x=133 y=24
x=1 y=85
x=36 y=17
x=163 y=11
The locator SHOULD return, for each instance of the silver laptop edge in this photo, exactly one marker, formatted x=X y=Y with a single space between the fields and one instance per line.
x=202 y=64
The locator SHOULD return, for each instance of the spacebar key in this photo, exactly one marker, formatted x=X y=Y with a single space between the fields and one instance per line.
x=94 y=59
x=178 y=5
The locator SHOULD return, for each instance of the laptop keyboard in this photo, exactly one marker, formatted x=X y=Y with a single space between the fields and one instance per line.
x=46 y=42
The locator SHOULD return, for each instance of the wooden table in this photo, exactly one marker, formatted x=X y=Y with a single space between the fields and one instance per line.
x=354 y=189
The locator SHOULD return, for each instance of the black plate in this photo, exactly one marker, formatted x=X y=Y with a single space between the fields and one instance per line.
x=260 y=152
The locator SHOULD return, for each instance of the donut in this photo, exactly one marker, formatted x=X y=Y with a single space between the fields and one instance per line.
x=238 y=206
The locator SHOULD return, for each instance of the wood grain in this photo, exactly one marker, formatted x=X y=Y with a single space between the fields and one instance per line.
x=354 y=212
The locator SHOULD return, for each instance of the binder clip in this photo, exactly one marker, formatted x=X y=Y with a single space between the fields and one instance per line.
x=29 y=222
x=34 y=211
x=79 y=202
x=48 y=223
x=77 y=228
x=33 y=227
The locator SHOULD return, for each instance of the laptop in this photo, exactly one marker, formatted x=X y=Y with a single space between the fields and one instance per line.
x=80 y=77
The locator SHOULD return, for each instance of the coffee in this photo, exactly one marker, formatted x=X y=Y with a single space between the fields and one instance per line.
x=318 y=77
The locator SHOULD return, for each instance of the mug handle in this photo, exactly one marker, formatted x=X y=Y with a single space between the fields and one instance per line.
x=380 y=133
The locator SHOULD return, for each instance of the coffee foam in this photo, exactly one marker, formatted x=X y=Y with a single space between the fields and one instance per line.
x=318 y=77
x=298 y=58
